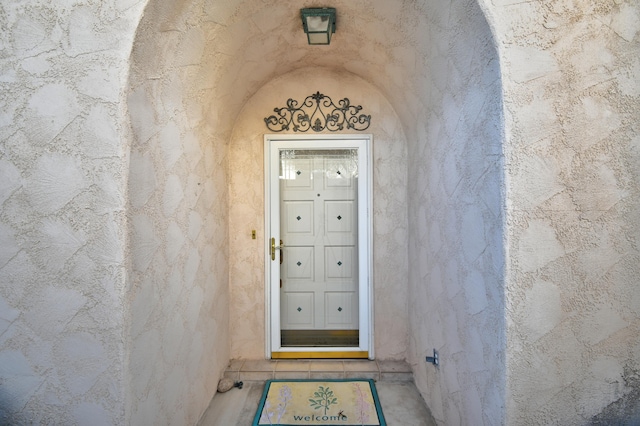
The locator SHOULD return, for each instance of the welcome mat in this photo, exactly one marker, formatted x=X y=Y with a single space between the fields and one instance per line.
x=319 y=402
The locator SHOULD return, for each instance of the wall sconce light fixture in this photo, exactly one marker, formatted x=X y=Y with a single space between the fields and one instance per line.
x=319 y=23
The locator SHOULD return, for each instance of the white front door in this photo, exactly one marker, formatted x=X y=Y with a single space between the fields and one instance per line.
x=318 y=233
x=319 y=222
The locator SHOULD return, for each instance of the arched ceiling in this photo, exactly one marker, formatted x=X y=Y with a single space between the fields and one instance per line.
x=239 y=45
x=264 y=39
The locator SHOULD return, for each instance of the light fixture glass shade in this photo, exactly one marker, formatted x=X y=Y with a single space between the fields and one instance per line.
x=318 y=38
x=319 y=24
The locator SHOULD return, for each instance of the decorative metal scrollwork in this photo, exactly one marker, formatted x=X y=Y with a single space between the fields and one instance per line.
x=318 y=113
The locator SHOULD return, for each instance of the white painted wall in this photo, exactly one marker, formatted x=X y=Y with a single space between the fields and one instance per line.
x=246 y=168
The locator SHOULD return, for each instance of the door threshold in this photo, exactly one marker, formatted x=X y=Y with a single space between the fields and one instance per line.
x=312 y=339
x=321 y=355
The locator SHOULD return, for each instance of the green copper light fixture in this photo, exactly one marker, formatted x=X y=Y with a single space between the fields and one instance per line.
x=319 y=23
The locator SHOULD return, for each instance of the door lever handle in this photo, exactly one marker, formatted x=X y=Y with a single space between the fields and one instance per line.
x=274 y=248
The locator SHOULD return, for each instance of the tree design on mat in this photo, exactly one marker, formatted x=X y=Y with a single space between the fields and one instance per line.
x=324 y=399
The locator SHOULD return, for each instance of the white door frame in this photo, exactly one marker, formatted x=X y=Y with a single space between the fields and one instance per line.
x=365 y=234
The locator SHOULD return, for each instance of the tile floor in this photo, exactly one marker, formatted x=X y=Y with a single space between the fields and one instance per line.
x=401 y=402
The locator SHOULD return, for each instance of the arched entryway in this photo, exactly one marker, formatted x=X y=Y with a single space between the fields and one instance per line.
x=199 y=68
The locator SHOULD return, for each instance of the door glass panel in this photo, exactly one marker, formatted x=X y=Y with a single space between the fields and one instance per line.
x=319 y=253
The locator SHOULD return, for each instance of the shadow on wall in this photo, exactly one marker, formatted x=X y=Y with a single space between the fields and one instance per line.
x=626 y=410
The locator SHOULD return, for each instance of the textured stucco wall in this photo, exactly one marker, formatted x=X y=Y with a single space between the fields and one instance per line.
x=569 y=70
x=571 y=73
x=246 y=166
x=63 y=174
x=178 y=292
x=456 y=221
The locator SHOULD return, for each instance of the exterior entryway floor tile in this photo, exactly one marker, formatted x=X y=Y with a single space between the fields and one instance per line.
x=401 y=402
x=250 y=370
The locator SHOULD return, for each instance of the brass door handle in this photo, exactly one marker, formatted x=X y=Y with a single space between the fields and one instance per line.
x=274 y=248
x=281 y=252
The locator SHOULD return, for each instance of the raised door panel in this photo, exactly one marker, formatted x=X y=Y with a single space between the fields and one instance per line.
x=298 y=218
x=298 y=310
x=340 y=264
x=340 y=310
x=299 y=264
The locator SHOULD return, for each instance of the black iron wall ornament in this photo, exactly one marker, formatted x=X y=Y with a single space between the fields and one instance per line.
x=318 y=113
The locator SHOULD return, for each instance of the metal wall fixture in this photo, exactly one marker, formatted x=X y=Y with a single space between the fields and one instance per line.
x=319 y=24
x=318 y=113
x=435 y=360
